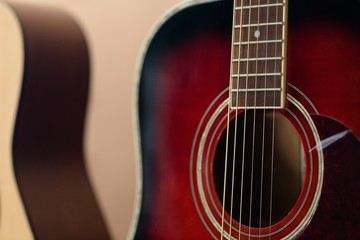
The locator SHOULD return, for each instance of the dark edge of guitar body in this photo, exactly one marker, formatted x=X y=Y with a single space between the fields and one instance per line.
x=165 y=98
x=48 y=136
x=185 y=24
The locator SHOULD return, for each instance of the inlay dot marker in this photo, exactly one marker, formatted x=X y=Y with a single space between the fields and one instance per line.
x=257 y=34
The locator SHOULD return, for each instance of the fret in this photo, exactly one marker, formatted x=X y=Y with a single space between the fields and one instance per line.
x=244 y=3
x=259 y=24
x=260 y=6
x=256 y=90
x=257 y=59
x=259 y=42
x=258 y=106
x=256 y=74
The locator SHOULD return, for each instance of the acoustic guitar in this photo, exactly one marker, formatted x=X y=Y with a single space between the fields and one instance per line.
x=248 y=122
x=45 y=192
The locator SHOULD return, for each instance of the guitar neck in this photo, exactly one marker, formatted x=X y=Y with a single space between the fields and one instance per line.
x=258 y=60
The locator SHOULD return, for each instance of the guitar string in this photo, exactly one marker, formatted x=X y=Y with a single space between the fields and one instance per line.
x=264 y=120
x=273 y=127
x=254 y=118
x=236 y=116
x=245 y=119
x=228 y=121
x=236 y=126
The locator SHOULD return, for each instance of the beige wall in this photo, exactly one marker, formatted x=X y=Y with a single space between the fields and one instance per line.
x=115 y=30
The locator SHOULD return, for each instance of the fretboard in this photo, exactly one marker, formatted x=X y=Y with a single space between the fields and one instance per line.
x=258 y=54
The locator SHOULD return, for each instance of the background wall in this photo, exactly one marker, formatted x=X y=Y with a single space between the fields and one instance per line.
x=116 y=30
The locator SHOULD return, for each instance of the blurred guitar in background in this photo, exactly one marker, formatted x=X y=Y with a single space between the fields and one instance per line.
x=272 y=153
x=44 y=78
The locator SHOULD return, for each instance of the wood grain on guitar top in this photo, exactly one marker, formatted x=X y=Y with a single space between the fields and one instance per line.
x=186 y=67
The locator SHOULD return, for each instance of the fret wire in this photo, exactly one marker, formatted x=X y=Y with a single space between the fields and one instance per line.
x=256 y=90
x=256 y=74
x=260 y=6
x=256 y=107
x=257 y=59
x=259 y=42
x=258 y=25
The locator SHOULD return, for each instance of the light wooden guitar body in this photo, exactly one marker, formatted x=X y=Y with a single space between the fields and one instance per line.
x=182 y=85
x=44 y=76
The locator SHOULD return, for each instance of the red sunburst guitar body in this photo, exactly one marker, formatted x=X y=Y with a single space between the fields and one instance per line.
x=184 y=121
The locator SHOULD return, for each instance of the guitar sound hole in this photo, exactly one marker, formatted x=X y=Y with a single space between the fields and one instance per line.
x=273 y=172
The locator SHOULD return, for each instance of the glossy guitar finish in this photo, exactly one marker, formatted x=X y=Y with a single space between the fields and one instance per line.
x=186 y=68
x=45 y=190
